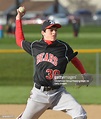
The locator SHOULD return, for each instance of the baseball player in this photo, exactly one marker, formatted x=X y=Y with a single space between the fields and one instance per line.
x=76 y=26
x=51 y=57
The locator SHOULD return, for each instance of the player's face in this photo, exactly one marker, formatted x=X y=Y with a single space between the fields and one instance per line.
x=50 y=34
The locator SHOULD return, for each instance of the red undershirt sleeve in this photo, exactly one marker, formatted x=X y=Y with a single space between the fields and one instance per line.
x=19 y=33
x=76 y=62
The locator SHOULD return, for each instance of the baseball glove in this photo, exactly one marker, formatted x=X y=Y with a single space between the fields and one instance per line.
x=87 y=79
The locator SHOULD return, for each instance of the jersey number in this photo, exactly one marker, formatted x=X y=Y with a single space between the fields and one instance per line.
x=52 y=73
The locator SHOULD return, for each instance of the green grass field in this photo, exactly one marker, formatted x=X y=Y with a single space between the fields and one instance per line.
x=16 y=69
x=20 y=94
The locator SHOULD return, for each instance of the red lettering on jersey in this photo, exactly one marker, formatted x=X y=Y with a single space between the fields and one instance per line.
x=51 y=73
x=48 y=57
x=53 y=59
x=39 y=58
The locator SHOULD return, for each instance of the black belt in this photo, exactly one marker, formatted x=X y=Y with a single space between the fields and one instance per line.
x=46 y=88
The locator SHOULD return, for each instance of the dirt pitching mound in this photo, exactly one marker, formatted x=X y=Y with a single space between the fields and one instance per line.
x=12 y=111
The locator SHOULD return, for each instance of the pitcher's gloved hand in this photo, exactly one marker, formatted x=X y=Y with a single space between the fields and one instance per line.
x=86 y=80
x=88 y=77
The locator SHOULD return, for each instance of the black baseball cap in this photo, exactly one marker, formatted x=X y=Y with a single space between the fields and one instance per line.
x=48 y=24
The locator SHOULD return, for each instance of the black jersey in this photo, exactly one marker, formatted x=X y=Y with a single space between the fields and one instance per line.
x=50 y=60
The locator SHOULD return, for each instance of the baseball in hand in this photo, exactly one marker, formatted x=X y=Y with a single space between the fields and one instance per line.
x=21 y=9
